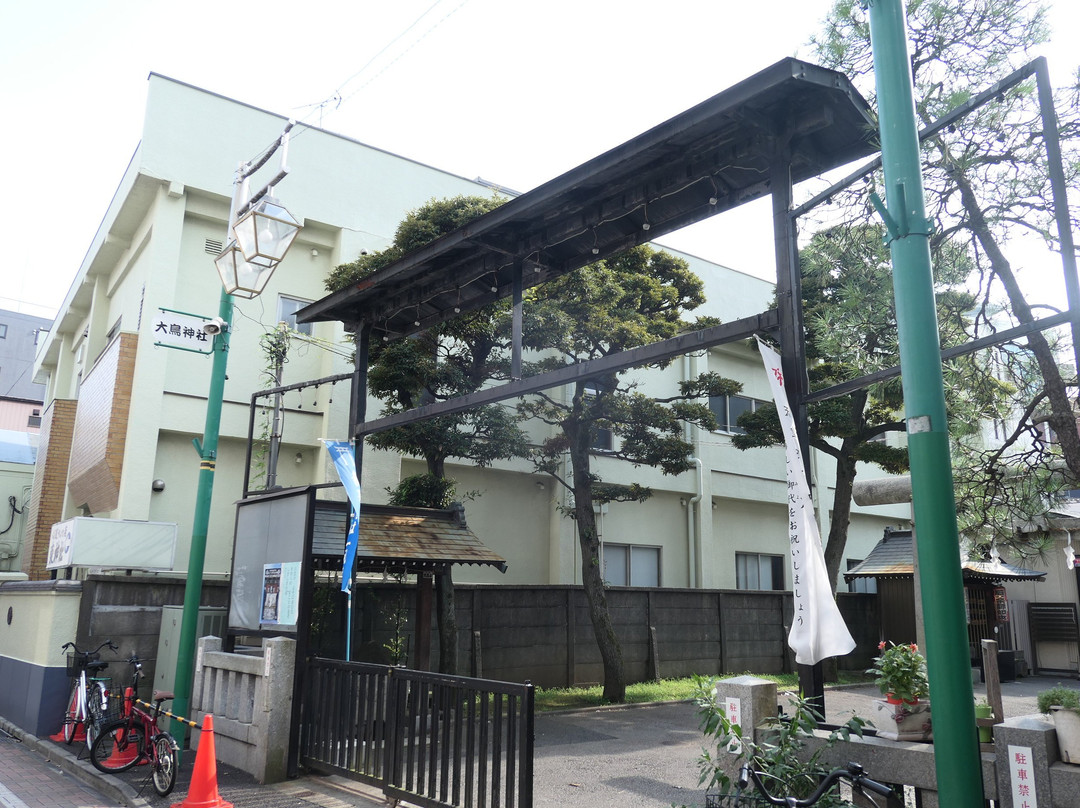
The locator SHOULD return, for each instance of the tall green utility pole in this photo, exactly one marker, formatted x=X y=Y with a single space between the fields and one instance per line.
x=185 y=653
x=956 y=749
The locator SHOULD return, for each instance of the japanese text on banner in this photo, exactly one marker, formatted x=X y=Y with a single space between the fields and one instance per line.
x=818 y=630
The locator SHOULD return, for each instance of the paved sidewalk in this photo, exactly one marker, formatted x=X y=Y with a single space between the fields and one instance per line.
x=30 y=780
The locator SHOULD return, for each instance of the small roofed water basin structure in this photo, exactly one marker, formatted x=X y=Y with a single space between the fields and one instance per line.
x=287 y=539
x=892 y=564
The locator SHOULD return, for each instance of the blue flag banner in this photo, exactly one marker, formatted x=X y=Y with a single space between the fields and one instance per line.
x=344 y=457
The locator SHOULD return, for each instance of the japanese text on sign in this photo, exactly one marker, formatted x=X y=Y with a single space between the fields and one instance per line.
x=175 y=329
x=1022 y=777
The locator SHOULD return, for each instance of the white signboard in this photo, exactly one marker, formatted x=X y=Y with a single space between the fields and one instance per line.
x=733 y=710
x=1022 y=777
x=177 y=329
x=116 y=543
x=60 y=545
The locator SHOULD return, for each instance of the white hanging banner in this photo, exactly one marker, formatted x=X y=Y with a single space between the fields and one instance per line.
x=818 y=630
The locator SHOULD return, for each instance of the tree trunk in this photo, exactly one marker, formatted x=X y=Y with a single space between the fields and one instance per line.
x=1062 y=418
x=592 y=576
x=841 y=515
x=446 y=611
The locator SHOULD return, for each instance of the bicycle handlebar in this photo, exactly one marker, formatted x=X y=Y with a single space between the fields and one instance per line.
x=112 y=646
x=853 y=772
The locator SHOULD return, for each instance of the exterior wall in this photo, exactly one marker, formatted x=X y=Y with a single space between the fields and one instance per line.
x=16 y=480
x=43 y=616
x=97 y=451
x=20 y=334
x=50 y=480
x=20 y=416
x=1060 y=586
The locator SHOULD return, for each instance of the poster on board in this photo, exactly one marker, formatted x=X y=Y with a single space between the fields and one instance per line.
x=280 y=594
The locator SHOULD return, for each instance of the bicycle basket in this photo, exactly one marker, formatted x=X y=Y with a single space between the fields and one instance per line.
x=115 y=708
x=735 y=800
x=76 y=664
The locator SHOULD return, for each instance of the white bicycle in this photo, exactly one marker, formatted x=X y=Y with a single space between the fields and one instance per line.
x=89 y=700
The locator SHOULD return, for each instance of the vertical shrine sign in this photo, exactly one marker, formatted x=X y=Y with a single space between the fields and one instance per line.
x=818 y=630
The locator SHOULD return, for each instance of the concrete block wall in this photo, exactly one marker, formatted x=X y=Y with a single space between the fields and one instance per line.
x=40 y=616
x=1039 y=778
x=544 y=633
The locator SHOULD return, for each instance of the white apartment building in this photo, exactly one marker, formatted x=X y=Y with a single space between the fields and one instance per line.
x=121 y=411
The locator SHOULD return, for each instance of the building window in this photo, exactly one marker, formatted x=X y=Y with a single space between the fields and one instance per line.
x=602 y=439
x=631 y=565
x=727 y=410
x=758 y=571
x=287 y=308
x=866 y=586
x=3 y=330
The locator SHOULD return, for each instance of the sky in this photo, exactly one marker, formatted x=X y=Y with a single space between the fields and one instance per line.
x=512 y=91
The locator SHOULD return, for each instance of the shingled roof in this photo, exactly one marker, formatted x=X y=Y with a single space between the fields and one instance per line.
x=893 y=557
x=394 y=538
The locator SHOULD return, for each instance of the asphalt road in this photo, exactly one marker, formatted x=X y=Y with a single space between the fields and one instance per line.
x=645 y=755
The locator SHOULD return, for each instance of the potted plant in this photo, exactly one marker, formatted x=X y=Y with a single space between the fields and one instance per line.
x=984 y=710
x=1063 y=705
x=901 y=673
x=784 y=753
x=901 y=678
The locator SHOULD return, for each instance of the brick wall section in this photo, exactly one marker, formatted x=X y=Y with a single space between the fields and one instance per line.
x=97 y=452
x=50 y=480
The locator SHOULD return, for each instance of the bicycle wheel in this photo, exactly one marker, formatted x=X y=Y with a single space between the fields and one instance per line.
x=96 y=704
x=71 y=717
x=118 y=746
x=165 y=763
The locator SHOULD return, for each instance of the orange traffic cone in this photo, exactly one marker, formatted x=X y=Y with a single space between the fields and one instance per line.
x=203 y=793
x=118 y=757
x=79 y=737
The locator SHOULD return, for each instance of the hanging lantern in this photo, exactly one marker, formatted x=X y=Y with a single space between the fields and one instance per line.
x=240 y=277
x=265 y=233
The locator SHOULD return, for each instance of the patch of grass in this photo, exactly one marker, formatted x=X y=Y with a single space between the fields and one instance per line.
x=569 y=698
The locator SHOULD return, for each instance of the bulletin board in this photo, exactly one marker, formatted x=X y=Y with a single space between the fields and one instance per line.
x=271 y=561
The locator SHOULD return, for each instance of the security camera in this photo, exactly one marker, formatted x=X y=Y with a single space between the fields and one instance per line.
x=215 y=326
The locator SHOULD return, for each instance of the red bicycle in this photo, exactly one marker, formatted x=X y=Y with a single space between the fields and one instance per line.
x=135 y=737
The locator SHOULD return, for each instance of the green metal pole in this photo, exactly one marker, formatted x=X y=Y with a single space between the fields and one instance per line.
x=185 y=655
x=957 y=761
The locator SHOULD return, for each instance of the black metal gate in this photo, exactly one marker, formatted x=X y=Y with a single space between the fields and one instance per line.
x=428 y=738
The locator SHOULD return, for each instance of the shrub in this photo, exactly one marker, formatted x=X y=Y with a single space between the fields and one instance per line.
x=1059 y=696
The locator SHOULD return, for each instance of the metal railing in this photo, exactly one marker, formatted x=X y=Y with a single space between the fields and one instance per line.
x=427 y=738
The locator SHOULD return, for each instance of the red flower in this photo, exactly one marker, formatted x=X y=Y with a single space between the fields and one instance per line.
x=914 y=647
x=881 y=645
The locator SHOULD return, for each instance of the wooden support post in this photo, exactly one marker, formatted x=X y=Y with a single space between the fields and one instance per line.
x=477 y=656
x=571 y=639
x=993 y=683
x=654 y=656
x=424 y=587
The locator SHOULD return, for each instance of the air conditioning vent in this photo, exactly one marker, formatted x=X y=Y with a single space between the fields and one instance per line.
x=213 y=246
